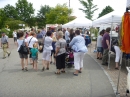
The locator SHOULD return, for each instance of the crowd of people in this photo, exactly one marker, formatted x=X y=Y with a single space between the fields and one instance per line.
x=53 y=45
x=104 y=46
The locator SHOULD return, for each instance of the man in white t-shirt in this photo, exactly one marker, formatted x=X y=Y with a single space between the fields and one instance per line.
x=99 y=46
x=30 y=41
x=15 y=36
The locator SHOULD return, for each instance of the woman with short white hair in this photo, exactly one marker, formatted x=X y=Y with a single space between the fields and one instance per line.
x=78 y=45
x=60 y=53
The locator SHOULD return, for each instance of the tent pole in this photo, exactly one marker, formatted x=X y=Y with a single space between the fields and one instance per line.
x=110 y=45
x=117 y=91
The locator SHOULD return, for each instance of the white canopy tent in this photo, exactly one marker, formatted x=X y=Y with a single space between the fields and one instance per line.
x=110 y=19
x=78 y=22
x=113 y=17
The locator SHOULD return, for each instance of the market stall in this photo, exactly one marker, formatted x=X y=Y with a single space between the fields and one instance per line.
x=78 y=22
x=111 y=19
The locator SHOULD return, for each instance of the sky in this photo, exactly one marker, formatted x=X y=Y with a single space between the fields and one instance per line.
x=117 y=5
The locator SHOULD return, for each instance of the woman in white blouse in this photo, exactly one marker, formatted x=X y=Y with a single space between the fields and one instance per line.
x=47 y=50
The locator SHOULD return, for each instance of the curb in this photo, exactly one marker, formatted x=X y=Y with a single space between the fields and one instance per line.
x=110 y=80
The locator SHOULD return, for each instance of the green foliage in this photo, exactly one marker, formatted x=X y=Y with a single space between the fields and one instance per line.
x=89 y=8
x=58 y=15
x=10 y=11
x=32 y=21
x=41 y=15
x=24 y=10
x=71 y=18
x=3 y=18
x=13 y=24
x=105 y=11
x=94 y=31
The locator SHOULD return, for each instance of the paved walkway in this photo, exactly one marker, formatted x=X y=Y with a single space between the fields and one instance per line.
x=17 y=83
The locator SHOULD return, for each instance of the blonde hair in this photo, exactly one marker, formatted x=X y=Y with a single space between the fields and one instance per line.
x=35 y=45
x=54 y=38
x=60 y=34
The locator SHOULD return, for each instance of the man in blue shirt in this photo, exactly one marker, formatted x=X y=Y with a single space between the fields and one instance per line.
x=43 y=32
x=67 y=34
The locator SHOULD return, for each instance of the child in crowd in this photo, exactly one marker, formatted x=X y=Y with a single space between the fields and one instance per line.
x=34 y=52
x=99 y=46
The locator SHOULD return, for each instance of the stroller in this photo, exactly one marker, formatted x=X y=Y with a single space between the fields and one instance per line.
x=69 y=59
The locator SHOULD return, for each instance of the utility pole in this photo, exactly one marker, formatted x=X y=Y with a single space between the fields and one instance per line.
x=69 y=3
x=69 y=14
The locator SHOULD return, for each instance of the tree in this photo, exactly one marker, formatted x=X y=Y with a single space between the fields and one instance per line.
x=89 y=8
x=58 y=15
x=10 y=11
x=32 y=21
x=13 y=24
x=41 y=15
x=3 y=18
x=105 y=11
x=24 y=9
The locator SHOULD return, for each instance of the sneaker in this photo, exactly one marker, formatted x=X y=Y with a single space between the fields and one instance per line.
x=9 y=54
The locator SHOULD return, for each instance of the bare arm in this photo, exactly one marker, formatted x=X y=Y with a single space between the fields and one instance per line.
x=57 y=50
x=107 y=41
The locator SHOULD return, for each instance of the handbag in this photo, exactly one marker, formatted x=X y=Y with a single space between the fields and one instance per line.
x=41 y=46
x=23 y=48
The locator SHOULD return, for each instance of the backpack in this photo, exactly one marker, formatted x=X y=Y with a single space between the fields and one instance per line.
x=23 y=49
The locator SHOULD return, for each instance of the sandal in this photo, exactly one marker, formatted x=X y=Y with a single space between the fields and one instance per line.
x=57 y=73
x=26 y=68
x=63 y=71
x=80 y=71
x=43 y=69
x=75 y=74
x=23 y=69
x=117 y=68
x=47 y=68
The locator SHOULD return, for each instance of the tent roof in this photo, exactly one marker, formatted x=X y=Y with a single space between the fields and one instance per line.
x=113 y=17
x=79 y=22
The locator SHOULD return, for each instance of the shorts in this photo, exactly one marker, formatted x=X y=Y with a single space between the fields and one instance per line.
x=46 y=55
x=52 y=52
x=34 y=58
x=15 y=39
x=23 y=55
x=100 y=49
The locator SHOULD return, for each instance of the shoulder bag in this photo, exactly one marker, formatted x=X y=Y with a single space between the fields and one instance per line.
x=23 y=48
